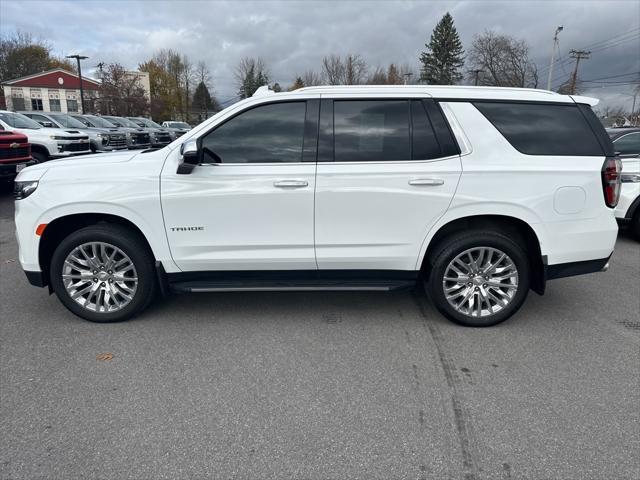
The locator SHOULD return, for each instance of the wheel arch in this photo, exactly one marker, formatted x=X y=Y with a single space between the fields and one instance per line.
x=36 y=147
x=516 y=228
x=58 y=229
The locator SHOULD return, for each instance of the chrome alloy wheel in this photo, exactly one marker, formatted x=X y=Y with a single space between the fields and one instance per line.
x=100 y=277
x=480 y=281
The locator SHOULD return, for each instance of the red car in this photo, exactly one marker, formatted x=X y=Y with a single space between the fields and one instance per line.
x=15 y=154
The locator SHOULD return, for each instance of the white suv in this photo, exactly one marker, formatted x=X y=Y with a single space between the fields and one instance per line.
x=480 y=193
x=46 y=143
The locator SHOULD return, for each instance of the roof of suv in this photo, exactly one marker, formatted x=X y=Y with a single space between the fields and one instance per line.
x=450 y=92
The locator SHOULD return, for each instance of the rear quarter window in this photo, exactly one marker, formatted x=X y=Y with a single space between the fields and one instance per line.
x=544 y=129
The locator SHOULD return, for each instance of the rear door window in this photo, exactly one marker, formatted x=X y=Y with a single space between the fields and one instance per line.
x=543 y=128
x=371 y=130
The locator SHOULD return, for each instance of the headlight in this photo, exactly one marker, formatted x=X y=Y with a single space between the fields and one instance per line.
x=128 y=134
x=57 y=137
x=153 y=135
x=24 y=189
x=102 y=135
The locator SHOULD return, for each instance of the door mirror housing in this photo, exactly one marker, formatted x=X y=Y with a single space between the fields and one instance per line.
x=190 y=157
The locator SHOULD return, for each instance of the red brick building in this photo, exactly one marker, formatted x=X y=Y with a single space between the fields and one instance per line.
x=52 y=91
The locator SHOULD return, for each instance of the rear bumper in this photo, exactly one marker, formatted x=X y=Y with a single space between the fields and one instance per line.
x=562 y=270
x=36 y=279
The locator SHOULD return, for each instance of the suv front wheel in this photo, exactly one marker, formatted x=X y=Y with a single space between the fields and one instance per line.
x=478 y=279
x=103 y=273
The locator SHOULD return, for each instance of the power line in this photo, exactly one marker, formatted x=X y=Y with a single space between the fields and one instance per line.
x=612 y=76
x=616 y=38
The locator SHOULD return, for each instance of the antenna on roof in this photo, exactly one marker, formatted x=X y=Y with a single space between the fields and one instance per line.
x=262 y=91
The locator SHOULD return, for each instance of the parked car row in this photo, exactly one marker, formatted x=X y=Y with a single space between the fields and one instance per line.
x=52 y=135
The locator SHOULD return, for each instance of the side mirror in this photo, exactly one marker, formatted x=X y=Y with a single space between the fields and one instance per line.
x=48 y=124
x=190 y=157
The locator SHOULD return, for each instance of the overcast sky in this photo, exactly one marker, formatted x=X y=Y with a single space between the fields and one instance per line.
x=293 y=36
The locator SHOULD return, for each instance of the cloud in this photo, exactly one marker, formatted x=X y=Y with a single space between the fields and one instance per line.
x=293 y=36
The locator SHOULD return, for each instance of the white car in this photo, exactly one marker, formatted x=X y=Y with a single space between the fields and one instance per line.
x=480 y=193
x=46 y=143
x=626 y=141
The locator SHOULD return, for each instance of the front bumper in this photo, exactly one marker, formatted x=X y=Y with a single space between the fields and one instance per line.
x=9 y=170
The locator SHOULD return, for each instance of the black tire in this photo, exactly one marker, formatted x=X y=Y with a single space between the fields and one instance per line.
x=458 y=243
x=39 y=157
x=635 y=224
x=129 y=242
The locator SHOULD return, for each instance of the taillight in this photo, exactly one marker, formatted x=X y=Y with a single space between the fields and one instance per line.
x=611 y=173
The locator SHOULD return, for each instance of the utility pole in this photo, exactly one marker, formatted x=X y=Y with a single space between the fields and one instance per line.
x=476 y=75
x=407 y=77
x=578 y=55
x=553 y=53
x=78 y=58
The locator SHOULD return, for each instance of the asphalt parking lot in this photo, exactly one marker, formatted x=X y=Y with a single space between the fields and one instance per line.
x=322 y=385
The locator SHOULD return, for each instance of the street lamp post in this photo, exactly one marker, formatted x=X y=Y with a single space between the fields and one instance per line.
x=553 y=53
x=78 y=58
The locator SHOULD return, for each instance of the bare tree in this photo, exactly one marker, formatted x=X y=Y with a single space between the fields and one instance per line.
x=503 y=61
x=250 y=74
x=355 y=70
x=378 y=77
x=311 y=78
x=188 y=74
x=203 y=74
x=350 y=71
x=122 y=92
x=333 y=69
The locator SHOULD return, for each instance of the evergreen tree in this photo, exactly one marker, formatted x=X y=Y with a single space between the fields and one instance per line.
x=299 y=83
x=202 y=98
x=443 y=58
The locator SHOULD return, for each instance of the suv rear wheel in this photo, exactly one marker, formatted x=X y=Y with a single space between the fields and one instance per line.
x=478 y=279
x=103 y=273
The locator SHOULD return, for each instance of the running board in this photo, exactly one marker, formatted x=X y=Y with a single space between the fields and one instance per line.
x=291 y=286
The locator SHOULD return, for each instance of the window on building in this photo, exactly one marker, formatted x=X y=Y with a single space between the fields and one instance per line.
x=17 y=103
x=72 y=105
x=36 y=104
x=54 y=105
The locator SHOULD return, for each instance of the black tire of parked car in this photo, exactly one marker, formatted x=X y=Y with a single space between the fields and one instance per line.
x=447 y=250
x=127 y=240
x=39 y=157
x=635 y=224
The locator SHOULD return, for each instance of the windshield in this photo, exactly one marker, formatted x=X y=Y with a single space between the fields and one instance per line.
x=150 y=123
x=178 y=125
x=122 y=122
x=17 y=120
x=67 y=121
x=94 y=121
x=137 y=121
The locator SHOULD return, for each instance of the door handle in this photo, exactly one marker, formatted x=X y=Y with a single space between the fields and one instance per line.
x=294 y=183
x=426 y=181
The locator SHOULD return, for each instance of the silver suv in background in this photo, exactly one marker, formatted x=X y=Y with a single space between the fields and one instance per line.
x=159 y=136
x=177 y=128
x=138 y=137
x=101 y=139
x=135 y=137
